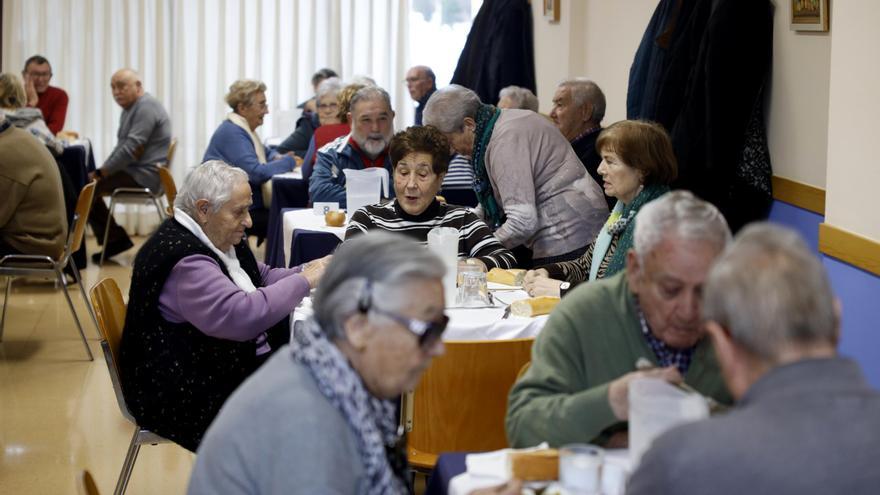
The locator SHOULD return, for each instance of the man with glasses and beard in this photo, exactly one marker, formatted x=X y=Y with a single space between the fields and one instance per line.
x=372 y=126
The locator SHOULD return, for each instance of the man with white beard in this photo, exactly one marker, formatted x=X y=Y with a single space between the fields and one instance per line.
x=372 y=126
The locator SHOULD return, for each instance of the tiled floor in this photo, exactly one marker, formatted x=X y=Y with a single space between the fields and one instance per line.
x=58 y=413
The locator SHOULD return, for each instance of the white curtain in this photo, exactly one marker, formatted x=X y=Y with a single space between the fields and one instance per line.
x=188 y=52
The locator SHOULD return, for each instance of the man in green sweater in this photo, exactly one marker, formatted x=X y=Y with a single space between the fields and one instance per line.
x=576 y=389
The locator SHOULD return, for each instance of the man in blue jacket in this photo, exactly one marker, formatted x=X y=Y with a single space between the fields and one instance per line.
x=372 y=126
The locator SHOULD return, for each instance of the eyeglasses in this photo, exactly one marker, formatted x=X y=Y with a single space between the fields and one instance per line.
x=428 y=332
x=326 y=106
x=413 y=79
x=39 y=74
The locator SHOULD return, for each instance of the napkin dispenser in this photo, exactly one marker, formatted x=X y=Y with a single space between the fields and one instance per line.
x=362 y=187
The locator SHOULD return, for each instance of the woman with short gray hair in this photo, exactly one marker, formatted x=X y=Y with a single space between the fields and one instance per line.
x=329 y=400
x=203 y=314
x=533 y=190
x=236 y=142
x=517 y=97
x=325 y=113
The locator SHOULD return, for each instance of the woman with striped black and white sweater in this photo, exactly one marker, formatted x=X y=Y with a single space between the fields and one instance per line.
x=420 y=157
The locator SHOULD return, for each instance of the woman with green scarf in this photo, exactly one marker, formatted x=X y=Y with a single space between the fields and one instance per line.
x=638 y=165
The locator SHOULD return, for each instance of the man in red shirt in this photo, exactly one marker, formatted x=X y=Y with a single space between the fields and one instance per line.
x=51 y=101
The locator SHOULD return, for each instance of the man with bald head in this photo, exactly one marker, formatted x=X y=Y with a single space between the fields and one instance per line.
x=143 y=139
x=421 y=84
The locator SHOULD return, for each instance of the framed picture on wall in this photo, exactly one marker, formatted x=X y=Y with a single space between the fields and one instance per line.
x=809 y=15
x=551 y=10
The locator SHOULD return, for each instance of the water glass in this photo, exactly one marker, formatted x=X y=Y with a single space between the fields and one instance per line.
x=472 y=287
x=580 y=468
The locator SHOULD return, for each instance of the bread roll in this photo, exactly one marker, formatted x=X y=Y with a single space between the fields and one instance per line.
x=538 y=465
x=334 y=218
x=534 y=306
x=513 y=276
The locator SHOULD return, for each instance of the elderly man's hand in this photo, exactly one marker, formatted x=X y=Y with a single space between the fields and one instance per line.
x=298 y=160
x=538 y=283
x=314 y=270
x=618 y=391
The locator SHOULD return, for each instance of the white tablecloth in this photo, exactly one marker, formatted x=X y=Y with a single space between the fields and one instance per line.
x=474 y=324
x=305 y=220
x=616 y=463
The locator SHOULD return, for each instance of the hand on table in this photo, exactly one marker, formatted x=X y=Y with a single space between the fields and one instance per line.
x=618 y=390
x=538 y=283
x=314 y=270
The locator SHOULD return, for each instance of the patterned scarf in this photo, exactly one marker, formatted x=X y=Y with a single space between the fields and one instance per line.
x=487 y=115
x=372 y=420
x=626 y=225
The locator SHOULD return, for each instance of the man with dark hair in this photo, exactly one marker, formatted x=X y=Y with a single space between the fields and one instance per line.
x=51 y=101
x=421 y=84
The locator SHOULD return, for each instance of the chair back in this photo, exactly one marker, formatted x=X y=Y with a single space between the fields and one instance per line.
x=170 y=188
x=461 y=401
x=88 y=484
x=110 y=312
x=172 y=147
x=81 y=216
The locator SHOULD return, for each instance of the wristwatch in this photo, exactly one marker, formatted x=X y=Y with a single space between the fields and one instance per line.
x=563 y=288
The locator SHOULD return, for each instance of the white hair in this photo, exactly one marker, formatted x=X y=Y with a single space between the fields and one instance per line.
x=679 y=215
x=394 y=260
x=447 y=108
x=770 y=292
x=328 y=86
x=585 y=91
x=213 y=180
x=522 y=98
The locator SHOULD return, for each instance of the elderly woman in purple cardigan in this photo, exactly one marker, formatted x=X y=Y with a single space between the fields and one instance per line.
x=203 y=314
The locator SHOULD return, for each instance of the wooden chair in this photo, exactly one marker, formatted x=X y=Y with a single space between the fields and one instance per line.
x=110 y=310
x=141 y=195
x=170 y=189
x=461 y=401
x=16 y=265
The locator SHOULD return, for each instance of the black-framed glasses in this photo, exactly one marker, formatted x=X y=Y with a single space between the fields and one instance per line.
x=428 y=332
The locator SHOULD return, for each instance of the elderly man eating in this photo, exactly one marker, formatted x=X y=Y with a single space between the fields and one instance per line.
x=533 y=191
x=372 y=126
x=806 y=421
x=583 y=361
x=203 y=314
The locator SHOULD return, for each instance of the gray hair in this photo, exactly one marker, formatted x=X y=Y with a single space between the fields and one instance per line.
x=448 y=107
x=212 y=180
x=369 y=93
x=384 y=260
x=522 y=97
x=428 y=72
x=585 y=91
x=679 y=215
x=363 y=80
x=243 y=92
x=770 y=292
x=328 y=86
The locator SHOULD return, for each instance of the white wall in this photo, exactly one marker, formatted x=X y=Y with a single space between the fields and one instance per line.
x=797 y=114
x=852 y=201
x=598 y=39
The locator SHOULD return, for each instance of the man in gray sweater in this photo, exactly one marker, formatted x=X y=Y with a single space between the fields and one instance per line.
x=806 y=421
x=143 y=139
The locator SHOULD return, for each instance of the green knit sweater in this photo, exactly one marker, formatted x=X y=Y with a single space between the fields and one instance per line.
x=591 y=338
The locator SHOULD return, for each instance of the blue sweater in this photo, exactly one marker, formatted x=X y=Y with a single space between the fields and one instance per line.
x=232 y=144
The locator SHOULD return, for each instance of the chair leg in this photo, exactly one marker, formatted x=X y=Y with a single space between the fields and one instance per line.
x=107 y=230
x=159 y=209
x=5 y=300
x=82 y=291
x=79 y=327
x=133 y=448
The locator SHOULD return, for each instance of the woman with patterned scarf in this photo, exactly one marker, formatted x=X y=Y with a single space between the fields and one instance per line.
x=532 y=188
x=320 y=416
x=638 y=165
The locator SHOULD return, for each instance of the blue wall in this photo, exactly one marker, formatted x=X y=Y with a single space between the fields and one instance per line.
x=858 y=291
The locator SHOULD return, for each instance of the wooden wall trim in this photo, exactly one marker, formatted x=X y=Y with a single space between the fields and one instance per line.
x=802 y=195
x=851 y=248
